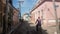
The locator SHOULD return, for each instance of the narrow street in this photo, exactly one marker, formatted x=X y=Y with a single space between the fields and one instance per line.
x=29 y=16
x=25 y=28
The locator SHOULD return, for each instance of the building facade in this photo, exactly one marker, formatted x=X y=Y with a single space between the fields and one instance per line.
x=26 y=17
x=46 y=11
x=7 y=16
x=15 y=16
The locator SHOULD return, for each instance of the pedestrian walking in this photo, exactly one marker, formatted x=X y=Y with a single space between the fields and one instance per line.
x=38 y=26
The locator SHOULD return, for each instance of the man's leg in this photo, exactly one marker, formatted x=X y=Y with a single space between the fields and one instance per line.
x=36 y=27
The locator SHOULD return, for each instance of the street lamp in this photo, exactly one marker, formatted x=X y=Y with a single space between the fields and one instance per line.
x=20 y=8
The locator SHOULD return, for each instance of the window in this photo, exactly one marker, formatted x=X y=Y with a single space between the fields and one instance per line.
x=39 y=12
x=42 y=10
x=48 y=9
x=59 y=23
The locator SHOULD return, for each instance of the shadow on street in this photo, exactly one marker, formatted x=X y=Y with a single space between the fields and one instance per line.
x=25 y=28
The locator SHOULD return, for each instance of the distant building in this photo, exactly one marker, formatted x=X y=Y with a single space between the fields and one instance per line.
x=7 y=16
x=26 y=17
x=45 y=10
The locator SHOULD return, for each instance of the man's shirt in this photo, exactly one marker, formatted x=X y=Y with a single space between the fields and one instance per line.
x=39 y=22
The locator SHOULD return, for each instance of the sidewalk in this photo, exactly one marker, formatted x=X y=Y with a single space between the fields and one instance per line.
x=13 y=28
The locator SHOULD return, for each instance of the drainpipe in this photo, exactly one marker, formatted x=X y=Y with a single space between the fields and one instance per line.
x=42 y=15
x=56 y=18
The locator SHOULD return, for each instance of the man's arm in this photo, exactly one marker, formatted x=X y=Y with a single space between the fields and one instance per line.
x=36 y=21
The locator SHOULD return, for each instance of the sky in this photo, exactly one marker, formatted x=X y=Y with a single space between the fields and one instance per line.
x=26 y=6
